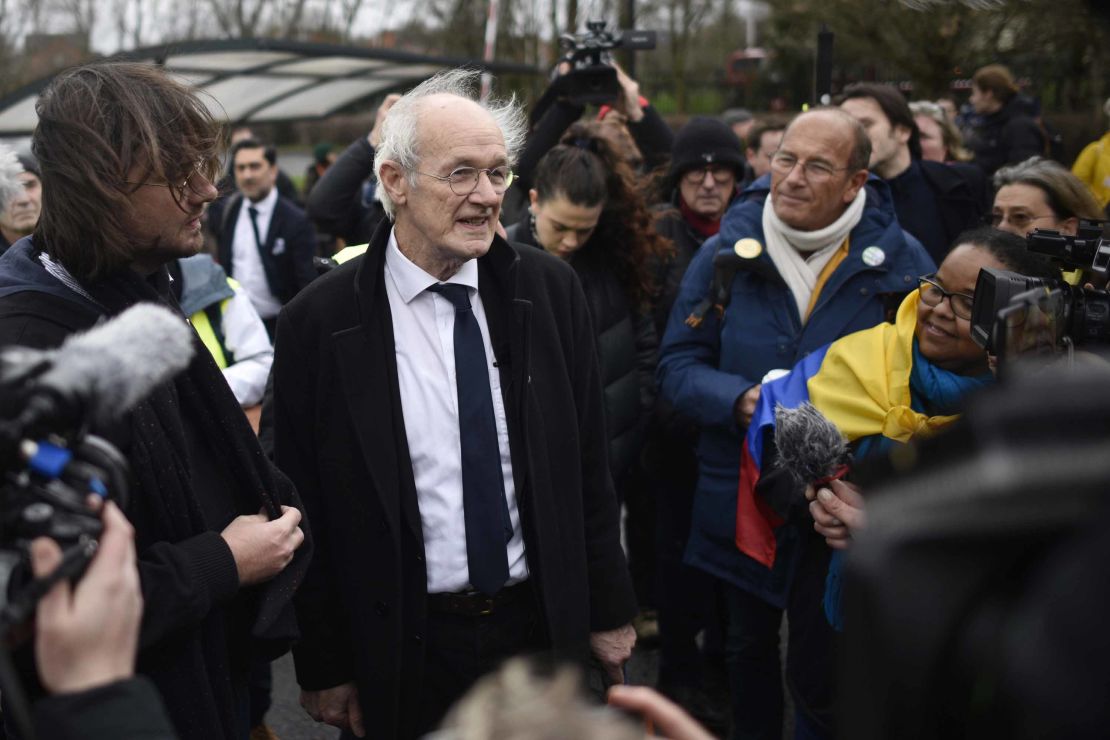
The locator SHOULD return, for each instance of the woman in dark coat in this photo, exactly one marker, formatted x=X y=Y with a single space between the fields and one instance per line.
x=586 y=210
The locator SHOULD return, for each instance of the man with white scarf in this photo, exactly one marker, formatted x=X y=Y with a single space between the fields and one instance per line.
x=806 y=255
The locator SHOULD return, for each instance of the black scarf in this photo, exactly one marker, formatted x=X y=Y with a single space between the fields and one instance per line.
x=164 y=507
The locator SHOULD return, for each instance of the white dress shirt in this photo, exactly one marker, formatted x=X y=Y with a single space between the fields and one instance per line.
x=246 y=264
x=423 y=330
x=245 y=337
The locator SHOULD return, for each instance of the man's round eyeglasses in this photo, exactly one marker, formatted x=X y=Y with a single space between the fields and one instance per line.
x=464 y=180
x=932 y=294
x=783 y=164
x=194 y=183
x=721 y=175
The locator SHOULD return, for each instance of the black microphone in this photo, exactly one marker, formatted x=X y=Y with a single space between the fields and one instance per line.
x=99 y=374
x=810 y=447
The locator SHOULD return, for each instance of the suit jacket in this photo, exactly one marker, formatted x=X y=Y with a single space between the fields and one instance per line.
x=340 y=435
x=288 y=251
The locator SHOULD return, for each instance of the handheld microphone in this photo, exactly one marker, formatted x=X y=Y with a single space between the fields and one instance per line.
x=810 y=447
x=101 y=373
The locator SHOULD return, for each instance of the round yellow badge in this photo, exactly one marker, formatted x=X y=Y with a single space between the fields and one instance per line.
x=748 y=248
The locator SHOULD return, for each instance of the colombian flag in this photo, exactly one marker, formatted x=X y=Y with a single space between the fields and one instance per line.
x=861 y=383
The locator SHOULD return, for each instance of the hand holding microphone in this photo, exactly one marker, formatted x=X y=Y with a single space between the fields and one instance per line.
x=838 y=511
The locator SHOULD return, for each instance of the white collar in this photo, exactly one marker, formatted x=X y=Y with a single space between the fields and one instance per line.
x=411 y=280
x=266 y=205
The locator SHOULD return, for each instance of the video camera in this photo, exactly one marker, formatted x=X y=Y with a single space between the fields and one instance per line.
x=50 y=463
x=592 y=79
x=1016 y=314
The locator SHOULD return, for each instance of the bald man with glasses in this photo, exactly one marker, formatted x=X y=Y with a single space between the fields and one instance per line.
x=809 y=253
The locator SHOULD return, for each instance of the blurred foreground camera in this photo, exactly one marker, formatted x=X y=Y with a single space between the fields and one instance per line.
x=975 y=601
x=592 y=79
x=49 y=462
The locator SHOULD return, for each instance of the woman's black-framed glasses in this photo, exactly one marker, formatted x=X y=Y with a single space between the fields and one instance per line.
x=932 y=294
x=464 y=180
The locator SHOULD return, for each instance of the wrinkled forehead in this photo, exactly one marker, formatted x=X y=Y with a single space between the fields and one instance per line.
x=451 y=127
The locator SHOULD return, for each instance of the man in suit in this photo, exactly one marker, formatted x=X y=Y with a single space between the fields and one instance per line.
x=268 y=245
x=934 y=201
x=438 y=403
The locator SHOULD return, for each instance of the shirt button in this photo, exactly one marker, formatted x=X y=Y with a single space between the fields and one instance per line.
x=417 y=639
x=864 y=291
x=420 y=559
x=381 y=608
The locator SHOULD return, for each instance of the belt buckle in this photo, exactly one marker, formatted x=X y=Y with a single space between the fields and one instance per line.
x=487 y=607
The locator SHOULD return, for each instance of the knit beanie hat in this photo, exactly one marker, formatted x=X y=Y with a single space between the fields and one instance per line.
x=30 y=164
x=705 y=141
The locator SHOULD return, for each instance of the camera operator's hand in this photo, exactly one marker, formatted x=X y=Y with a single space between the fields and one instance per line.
x=629 y=101
x=262 y=548
x=87 y=635
x=837 y=511
x=667 y=718
x=375 y=135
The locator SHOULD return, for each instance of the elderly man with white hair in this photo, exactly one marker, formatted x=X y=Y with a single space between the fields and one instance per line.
x=437 y=401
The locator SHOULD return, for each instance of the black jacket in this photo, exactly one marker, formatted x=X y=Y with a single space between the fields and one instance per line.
x=962 y=198
x=123 y=710
x=627 y=351
x=340 y=435
x=336 y=202
x=669 y=273
x=288 y=251
x=1007 y=136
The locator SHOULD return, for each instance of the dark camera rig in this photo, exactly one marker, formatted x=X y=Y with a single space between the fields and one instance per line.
x=47 y=496
x=592 y=78
x=1016 y=314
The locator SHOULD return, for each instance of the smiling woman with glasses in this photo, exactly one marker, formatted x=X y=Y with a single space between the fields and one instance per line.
x=893 y=382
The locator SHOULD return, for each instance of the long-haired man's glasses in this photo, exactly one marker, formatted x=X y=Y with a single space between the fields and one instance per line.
x=194 y=183
x=464 y=180
x=932 y=294
x=783 y=164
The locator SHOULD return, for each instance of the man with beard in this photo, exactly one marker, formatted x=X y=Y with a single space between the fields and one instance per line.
x=125 y=186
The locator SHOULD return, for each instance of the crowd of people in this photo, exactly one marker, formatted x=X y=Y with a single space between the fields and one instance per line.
x=505 y=387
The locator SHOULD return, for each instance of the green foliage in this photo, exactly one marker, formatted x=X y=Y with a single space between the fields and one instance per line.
x=699 y=101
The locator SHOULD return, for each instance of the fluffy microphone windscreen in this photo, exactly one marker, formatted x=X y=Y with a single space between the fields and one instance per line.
x=810 y=447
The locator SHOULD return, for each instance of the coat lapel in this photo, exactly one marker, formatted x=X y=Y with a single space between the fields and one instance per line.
x=509 y=320
x=367 y=363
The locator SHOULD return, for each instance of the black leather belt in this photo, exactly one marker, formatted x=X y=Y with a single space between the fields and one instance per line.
x=476 y=603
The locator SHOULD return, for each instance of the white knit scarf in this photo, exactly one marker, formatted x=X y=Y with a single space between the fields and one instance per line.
x=799 y=256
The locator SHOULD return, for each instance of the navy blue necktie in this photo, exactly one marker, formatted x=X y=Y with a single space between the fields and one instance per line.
x=485 y=511
x=253 y=212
